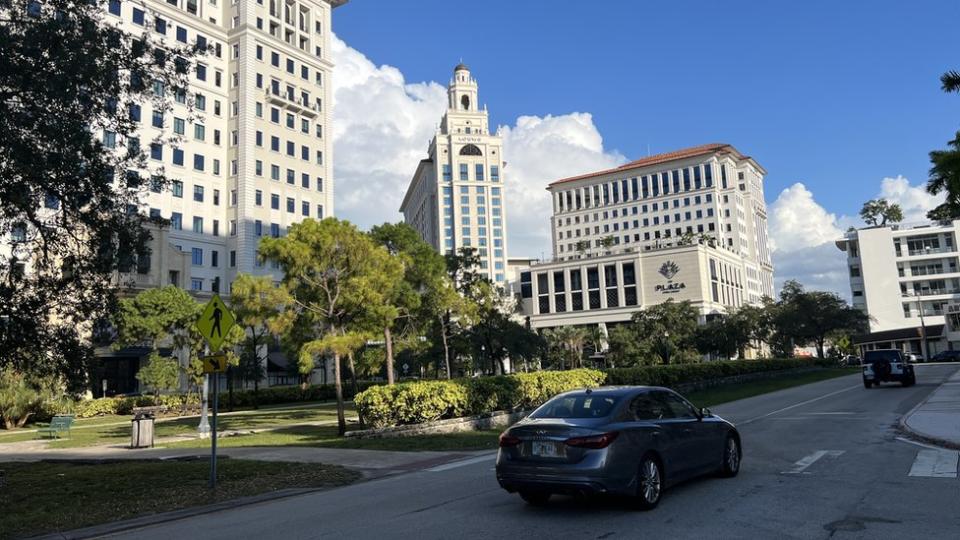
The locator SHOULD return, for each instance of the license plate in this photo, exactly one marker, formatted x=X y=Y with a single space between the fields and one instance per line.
x=545 y=449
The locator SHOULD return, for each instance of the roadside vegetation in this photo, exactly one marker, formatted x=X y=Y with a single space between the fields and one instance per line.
x=42 y=498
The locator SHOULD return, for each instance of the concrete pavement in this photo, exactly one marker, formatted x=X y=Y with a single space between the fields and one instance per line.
x=372 y=463
x=821 y=461
x=937 y=418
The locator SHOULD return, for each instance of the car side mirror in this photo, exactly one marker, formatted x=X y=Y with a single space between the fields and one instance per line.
x=705 y=412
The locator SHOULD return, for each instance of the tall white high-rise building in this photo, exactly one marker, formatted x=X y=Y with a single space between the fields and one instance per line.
x=455 y=198
x=254 y=154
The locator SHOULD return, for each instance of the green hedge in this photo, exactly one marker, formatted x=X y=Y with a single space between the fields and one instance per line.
x=241 y=398
x=677 y=374
x=416 y=402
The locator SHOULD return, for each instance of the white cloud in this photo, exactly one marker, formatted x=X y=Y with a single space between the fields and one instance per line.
x=381 y=129
x=538 y=151
x=382 y=126
x=913 y=200
x=797 y=221
x=802 y=234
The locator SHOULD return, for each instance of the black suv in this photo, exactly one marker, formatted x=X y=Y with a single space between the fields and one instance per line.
x=887 y=365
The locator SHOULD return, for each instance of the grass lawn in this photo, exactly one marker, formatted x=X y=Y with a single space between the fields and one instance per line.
x=731 y=392
x=100 y=430
x=46 y=497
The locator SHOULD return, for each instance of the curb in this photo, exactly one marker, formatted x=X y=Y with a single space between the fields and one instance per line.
x=97 y=531
x=905 y=429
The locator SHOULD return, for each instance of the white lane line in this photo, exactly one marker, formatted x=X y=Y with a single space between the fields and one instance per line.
x=462 y=463
x=795 y=405
x=807 y=461
x=935 y=464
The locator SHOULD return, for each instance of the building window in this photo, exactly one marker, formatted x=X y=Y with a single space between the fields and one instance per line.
x=196 y=284
x=464 y=171
x=198 y=224
x=196 y=256
x=233 y=259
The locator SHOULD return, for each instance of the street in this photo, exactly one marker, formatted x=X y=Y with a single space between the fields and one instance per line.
x=820 y=461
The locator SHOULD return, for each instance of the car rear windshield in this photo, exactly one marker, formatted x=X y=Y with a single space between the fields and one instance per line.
x=876 y=356
x=577 y=406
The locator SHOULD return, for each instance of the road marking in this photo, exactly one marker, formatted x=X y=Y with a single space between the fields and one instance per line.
x=461 y=463
x=826 y=413
x=807 y=461
x=936 y=464
x=795 y=405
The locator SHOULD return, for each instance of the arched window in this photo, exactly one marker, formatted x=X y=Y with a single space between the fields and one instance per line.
x=465 y=102
x=470 y=150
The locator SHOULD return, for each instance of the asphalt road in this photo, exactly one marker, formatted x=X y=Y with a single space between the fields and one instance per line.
x=820 y=461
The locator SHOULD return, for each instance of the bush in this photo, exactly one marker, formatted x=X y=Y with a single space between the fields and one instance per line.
x=416 y=402
x=676 y=374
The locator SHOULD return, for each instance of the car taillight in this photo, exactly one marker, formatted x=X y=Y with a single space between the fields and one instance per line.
x=595 y=441
x=507 y=441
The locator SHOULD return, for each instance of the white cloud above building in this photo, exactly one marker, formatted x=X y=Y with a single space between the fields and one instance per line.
x=383 y=124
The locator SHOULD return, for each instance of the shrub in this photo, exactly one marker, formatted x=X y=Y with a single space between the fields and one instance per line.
x=676 y=374
x=416 y=402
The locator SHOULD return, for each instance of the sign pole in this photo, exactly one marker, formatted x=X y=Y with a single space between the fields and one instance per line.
x=213 y=440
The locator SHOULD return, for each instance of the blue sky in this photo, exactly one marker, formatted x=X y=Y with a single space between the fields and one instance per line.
x=836 y=95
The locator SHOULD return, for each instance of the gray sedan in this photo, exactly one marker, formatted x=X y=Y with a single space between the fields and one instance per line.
x=633 y=441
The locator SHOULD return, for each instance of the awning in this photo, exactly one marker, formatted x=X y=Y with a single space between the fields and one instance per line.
x=899 y=334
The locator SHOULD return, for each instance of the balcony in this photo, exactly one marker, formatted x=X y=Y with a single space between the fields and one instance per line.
x=287 y=101
x=930 y=292
x=927 y=251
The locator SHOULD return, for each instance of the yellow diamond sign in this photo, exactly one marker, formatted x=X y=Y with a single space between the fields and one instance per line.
x=215 y=364
x=215 y=322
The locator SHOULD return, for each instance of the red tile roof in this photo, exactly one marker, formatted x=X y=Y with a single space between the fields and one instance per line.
x=693 y=151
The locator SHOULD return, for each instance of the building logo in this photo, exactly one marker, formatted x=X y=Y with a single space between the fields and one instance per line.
x=669 y=269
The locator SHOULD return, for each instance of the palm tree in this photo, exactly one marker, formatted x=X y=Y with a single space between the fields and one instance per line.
x=950 y=81
x=569 y=342
x=945 y=176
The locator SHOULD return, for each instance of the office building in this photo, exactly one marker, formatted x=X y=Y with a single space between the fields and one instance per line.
x=456 y=196
x=688 y=225
x=905 y=277
x=254 y=153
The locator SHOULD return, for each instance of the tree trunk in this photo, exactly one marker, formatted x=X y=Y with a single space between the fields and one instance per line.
x=23 y=420
x=353 y=374
x=388 y=340
x=446 y=346
x=341 y=422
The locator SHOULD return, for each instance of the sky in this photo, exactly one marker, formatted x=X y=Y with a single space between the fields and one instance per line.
x=839 y=101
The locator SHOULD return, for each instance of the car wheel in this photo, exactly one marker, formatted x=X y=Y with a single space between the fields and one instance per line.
x=731 y=458
x=649 y=483
x=535 y=498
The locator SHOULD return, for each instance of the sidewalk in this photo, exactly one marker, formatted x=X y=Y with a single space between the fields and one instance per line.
x=372 y=463
x=938 y=418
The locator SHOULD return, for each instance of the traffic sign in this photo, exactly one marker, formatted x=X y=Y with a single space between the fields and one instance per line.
x=216 y=363
x=215 y=321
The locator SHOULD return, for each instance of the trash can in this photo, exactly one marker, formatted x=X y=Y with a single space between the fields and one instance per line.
x=141 y=435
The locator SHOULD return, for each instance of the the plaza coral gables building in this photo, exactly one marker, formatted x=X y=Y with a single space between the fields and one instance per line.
x=687 y=225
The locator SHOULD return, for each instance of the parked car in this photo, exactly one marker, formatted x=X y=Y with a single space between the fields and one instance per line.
x=850 y=360
x=946 y=356
x=887 y=365
x=634 y=441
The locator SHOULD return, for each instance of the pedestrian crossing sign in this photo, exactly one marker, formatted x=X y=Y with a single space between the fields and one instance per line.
x=215 y=321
